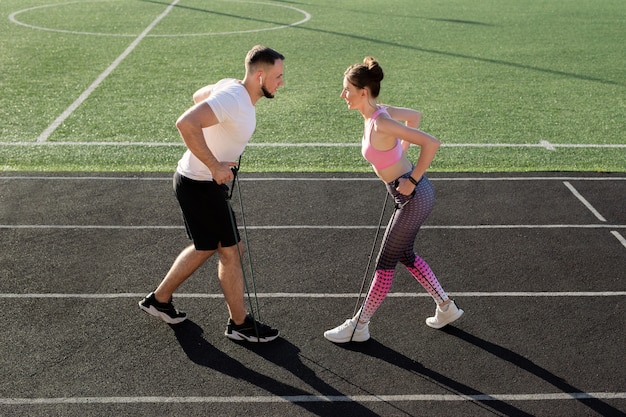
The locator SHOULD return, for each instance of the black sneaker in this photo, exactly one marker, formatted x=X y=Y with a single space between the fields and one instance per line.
x=247 y=331
x=165 y=311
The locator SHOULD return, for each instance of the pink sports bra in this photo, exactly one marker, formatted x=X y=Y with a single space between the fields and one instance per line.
x=379 y=159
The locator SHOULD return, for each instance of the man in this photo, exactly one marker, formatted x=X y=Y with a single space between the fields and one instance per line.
x=216 y=131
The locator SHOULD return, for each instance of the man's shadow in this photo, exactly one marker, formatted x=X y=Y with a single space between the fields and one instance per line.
x=283 y=354
x=288 y=356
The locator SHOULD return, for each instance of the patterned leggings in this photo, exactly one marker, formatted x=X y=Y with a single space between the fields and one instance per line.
x=397 y=246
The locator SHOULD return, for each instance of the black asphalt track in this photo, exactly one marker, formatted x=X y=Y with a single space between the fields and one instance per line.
x=540 y=276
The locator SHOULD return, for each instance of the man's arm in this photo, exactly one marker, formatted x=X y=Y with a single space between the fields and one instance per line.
x=202 y=94
x=190 y=126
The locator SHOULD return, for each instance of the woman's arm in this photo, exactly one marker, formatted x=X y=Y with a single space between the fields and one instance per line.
x=428 y=143
x=410 y=117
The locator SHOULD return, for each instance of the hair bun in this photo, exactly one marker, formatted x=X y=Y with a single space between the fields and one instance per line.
x=374 y=68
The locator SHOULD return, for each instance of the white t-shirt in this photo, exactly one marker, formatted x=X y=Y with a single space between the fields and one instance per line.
x=227 y=140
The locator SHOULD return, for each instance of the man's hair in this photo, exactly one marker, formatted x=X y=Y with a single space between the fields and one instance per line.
x=261 y=55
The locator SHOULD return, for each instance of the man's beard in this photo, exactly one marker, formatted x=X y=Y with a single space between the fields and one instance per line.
x=266 y=93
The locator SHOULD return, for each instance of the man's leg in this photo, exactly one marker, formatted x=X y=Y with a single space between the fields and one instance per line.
x=159 y=302
x=230 y=274
x=185 y=264
x=241 y=326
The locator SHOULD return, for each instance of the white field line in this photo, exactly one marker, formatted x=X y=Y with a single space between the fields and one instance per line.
x=67 y=113
x=318 y=398
x=307 y=17
x=551 y=147
x=584 y=201
x=55 y=177
x=502 y=294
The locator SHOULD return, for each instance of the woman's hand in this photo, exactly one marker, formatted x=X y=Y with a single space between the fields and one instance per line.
x=405 y=187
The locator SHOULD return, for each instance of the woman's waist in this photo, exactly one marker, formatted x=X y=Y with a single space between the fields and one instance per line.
x=395 y=171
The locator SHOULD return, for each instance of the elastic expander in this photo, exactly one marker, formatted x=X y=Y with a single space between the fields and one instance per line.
x=254 y=306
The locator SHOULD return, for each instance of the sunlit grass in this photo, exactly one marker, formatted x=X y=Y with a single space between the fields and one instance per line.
x=490 y=72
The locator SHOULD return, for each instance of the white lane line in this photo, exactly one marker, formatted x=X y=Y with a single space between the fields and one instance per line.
x=50 y=129
x=584 y=201
x=313 y=179
x=320 y=295
x=619 y=237
x=452 y=227
x=88 y=227
x=318 y=398
x=313 y=227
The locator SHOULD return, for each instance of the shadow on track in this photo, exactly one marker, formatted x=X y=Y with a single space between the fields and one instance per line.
x=280 y=352
x=377 y=350
x=529 y=366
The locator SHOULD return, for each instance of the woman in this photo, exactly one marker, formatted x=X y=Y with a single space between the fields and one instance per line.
x=385 y=141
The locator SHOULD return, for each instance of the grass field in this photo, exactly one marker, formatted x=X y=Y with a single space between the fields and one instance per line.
x=523 y=85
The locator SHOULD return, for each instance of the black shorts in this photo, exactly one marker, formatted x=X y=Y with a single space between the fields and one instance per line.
x=209 y=219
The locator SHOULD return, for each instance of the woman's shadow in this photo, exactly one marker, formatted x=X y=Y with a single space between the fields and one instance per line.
x=286 y=355
x=379 y=351
x=529 y=366
x=485 y=401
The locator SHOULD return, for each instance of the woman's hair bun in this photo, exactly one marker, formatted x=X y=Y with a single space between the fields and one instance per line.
x=374 y=68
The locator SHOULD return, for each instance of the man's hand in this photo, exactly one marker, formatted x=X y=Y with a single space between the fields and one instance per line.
x=222 y=172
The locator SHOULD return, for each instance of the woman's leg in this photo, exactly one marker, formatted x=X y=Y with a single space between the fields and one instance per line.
x=397 y=246
x=426 y=277
x=377 y=293
x=406 y=226
x=414 y=215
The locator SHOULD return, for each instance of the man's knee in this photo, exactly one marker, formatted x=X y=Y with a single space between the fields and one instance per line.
x=200 y=253
x=231 y=254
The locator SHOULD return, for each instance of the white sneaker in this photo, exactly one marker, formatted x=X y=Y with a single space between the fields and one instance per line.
x=347 y=332
x=442 y=318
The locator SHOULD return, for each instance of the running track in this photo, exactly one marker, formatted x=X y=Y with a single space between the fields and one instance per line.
x=537 y=261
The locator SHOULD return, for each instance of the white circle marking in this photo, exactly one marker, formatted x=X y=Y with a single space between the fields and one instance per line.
x=13 y=18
